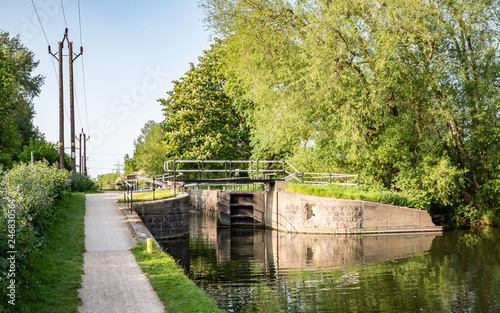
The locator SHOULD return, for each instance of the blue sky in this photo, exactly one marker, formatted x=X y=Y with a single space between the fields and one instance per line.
x=132 y=52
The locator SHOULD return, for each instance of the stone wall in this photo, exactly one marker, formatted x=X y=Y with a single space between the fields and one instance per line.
x=309 y=214
x=166 y=219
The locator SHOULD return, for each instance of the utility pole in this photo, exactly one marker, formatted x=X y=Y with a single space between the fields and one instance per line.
x=72 y=58
x=80 y=150
x=72 y=103
x=85 y=154
x=59 y=58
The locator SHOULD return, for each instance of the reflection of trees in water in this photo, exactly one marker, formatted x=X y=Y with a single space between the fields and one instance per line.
x=269 y=271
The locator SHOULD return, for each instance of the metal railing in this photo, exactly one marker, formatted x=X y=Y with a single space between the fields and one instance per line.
x=128 y=192
x=241 y=170
x=232 y=169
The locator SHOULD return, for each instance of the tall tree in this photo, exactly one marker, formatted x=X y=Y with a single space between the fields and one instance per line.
x=18 y=87
x=150 y=149
x=201 y=120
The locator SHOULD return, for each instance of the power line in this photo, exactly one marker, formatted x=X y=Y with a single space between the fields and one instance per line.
x=64 y=14
x=83 y=69
x=43 y=30
x=44 y=34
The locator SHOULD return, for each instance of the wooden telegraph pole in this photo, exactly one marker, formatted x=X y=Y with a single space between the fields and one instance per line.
x=72 y=103
x=80 y=151
x=59 y=58
x=85 y=154
x=72 y=58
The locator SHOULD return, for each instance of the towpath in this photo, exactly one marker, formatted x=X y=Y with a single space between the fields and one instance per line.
x=112 y=279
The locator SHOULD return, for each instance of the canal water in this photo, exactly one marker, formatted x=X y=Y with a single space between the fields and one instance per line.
x=256 y=270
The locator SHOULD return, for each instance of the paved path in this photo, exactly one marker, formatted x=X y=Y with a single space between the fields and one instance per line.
x=112 y=280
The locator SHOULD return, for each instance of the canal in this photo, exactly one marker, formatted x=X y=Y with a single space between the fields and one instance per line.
x=256 y=270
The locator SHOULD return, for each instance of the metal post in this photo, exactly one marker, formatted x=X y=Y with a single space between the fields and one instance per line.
x=174 y=179
x=131 y=197
x=154 y=185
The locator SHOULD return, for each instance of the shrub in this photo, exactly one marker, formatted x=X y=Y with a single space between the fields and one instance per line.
x=81 y=182
x=28 y=193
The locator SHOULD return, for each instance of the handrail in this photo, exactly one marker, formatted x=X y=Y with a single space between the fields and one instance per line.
x=254 y=171
x=128 y=196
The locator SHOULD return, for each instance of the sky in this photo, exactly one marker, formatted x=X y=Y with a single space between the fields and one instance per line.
x=132 y=51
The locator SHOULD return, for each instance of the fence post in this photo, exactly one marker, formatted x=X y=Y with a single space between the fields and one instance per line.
x=174 y=180
x=154 y=187
x=131 y=197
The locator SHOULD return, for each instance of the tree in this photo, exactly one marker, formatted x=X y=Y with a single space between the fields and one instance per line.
x=42 y=150
x=17 y=89
x=150 y=149
x=201 y=120
x=404 y=92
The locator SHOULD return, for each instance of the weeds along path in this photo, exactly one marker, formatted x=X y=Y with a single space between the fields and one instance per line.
x=112 y=280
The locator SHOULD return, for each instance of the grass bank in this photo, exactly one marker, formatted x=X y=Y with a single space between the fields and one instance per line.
x=57 y=269
x=175 y=290
x=148 y=195
x=357 y=192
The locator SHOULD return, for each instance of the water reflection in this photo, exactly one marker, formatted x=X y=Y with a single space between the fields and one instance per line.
x=248 y=270
x=288 y=251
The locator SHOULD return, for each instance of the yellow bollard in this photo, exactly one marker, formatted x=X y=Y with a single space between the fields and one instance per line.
x=149 y=245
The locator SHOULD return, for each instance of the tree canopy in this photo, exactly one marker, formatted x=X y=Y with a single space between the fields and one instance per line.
x=201 y=120
x=18 y=87
x=150 y=150
x=404 y=92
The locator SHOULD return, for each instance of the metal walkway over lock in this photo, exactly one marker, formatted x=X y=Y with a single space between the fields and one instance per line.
x=246 y=172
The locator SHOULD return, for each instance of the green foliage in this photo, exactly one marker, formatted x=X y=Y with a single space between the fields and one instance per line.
x=17 y=89
x=56 y=271
x=28 y=194
x=80 y=182
x=42 y=150
x=150 y=150
x=201 y=120
x=404 y=93
x=110 y=177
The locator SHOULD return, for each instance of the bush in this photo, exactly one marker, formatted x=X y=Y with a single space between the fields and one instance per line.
x=81 y=182
x=28 y=193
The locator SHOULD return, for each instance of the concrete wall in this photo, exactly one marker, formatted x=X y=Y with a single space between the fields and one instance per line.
x=298 y=213
x=309 y=214
x=166 y=219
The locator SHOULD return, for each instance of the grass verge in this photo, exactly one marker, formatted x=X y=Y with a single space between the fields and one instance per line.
x=148 y=196
x=175 y=290
x=57 y=270
x=365 y=193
